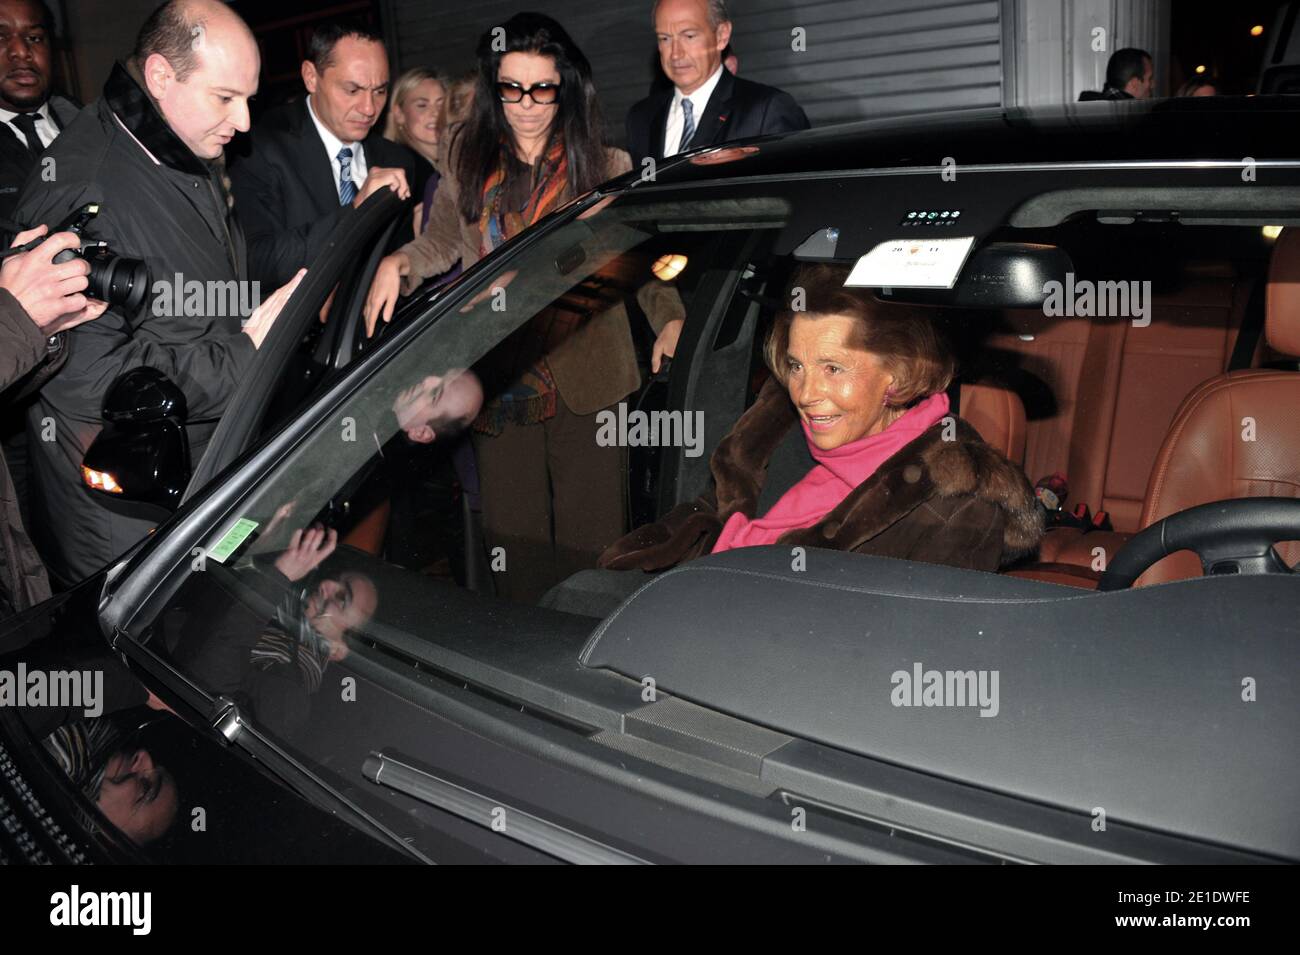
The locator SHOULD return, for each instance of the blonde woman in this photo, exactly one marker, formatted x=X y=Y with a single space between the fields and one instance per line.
x=454 y=109
x=414 y=121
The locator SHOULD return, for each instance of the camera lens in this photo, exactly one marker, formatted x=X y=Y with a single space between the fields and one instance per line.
x=117 y=280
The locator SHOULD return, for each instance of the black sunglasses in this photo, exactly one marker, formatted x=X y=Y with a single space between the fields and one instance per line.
x=543 y=94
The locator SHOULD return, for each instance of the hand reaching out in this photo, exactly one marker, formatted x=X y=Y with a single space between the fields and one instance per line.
x=384 y=289
x=258 y=325
x=307 y=550
x=379 y=178
x=666 y=343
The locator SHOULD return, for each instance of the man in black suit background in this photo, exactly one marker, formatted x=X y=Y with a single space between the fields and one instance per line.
x=706 y=104
x=1129 y=75
x=30 y=118
x=308 y=161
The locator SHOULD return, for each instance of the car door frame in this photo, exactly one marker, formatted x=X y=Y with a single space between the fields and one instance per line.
x=242 y=424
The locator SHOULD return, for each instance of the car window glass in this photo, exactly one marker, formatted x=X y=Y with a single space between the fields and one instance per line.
x=393 y=504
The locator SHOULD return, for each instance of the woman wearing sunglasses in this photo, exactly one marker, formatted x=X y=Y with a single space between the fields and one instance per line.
x=552 y=497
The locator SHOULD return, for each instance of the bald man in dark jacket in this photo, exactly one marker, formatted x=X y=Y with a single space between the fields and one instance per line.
x=161 y=201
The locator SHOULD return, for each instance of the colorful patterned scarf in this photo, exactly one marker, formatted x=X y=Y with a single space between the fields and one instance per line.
x=529 y=395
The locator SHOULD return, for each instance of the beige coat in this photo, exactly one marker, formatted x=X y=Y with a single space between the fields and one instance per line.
x=594 y=367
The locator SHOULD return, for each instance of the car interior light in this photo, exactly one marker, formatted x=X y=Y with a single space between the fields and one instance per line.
x=1257 y=30
x=1200 y=68
x=1272 y=231
x=668 y=267
x=100 y=480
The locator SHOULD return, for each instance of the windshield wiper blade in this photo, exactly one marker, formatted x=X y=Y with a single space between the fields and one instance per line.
x=533 y=831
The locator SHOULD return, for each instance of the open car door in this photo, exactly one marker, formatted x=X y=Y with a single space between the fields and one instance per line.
x=301 y=350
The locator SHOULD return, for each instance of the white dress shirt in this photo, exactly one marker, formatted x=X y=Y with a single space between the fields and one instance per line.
x=46 y=131
x=332 y=146
x=677 y=119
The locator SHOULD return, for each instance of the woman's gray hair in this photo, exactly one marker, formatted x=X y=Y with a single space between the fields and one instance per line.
x=717 y=12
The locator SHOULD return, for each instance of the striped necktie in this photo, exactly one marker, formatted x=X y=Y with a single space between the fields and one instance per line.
x=688 y=124
x=347 y=188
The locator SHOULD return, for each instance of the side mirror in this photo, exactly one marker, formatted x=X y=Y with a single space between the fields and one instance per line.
x=140 y=462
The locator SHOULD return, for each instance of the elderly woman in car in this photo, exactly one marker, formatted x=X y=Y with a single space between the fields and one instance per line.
x=894 y=474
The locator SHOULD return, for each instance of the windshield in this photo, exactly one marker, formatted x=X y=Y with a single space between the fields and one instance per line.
x=461 y=505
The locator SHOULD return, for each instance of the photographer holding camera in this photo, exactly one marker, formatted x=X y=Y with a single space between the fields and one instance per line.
x=149 y=154
x=38 y=299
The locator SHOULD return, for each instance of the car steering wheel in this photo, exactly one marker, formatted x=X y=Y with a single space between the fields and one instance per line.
x=1230 y=537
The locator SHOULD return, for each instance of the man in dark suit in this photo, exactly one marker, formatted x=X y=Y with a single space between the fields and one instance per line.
x=30 y=118
x=307 y=162
x=706 y=104
x=1129 y=75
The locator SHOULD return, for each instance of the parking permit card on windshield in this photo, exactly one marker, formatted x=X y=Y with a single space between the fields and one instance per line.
x=230 y=542
x=912 y=263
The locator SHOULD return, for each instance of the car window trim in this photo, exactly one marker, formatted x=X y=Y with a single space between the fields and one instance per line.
x=536 y=832
x=1147 y=165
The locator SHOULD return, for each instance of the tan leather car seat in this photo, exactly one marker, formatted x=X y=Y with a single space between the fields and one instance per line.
x=1236 y=435
x=998 y=414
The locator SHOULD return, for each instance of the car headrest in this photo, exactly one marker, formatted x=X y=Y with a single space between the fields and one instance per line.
x=998 y=414
x=1282 y=317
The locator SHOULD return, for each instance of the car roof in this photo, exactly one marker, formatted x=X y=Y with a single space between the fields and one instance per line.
x=1221 y=128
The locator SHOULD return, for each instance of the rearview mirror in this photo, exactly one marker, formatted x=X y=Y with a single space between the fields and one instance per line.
x=1000 y=275
x=139 y=463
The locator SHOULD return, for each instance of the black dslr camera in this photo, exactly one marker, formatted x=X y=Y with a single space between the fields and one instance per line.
x=114 y=278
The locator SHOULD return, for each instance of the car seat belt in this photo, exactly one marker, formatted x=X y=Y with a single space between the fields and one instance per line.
x=1252 y=326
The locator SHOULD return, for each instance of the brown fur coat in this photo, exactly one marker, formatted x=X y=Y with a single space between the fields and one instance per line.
x=956 y=502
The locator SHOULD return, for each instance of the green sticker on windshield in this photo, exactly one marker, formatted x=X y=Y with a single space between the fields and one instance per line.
x=232 y=539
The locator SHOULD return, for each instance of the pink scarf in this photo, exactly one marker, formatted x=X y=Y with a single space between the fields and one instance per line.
x=834 y=476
